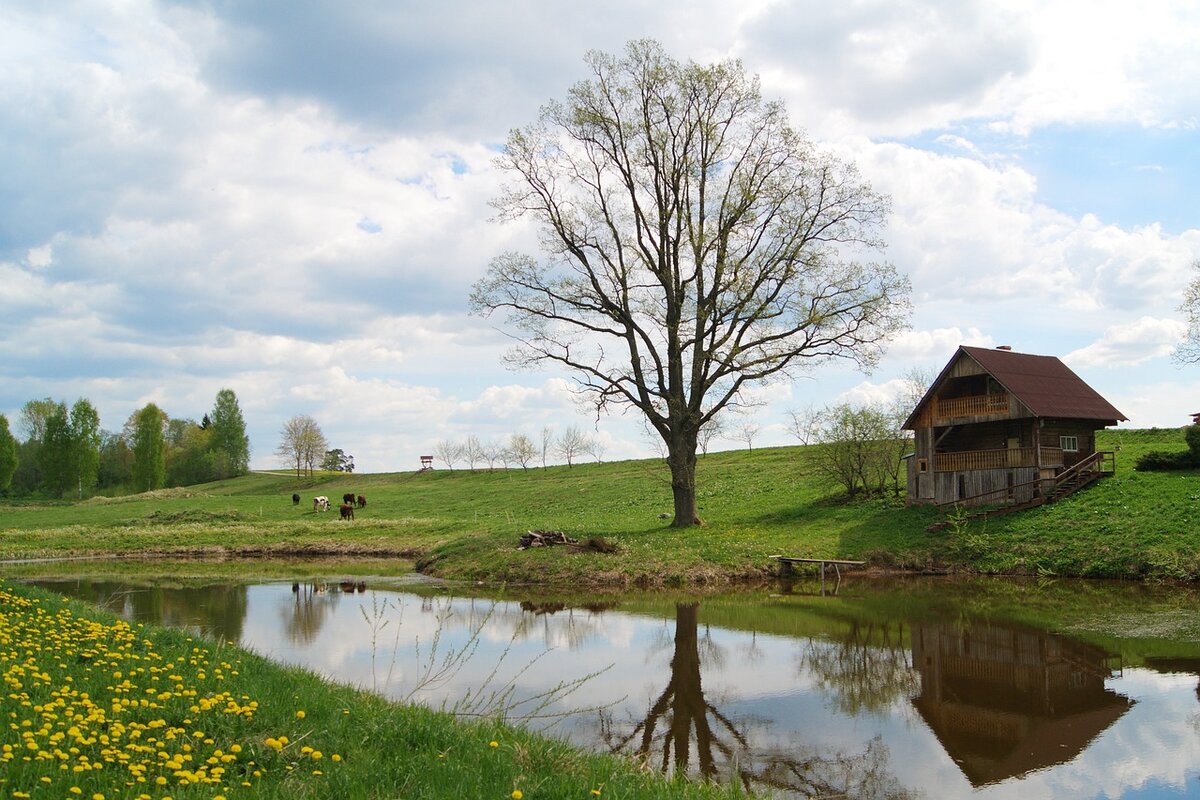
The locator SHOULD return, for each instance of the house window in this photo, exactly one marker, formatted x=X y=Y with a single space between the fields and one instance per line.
x=1069 y=444
x=922 y=465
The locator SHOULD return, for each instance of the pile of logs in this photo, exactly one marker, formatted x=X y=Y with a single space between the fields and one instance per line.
x=544 y=539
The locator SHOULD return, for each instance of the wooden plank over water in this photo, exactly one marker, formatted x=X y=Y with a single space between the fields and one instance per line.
x=788 y=564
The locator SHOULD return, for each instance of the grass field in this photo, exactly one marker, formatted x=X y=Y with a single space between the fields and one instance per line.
x=465 y=525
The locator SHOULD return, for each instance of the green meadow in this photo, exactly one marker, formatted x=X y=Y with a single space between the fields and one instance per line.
x=465 y=525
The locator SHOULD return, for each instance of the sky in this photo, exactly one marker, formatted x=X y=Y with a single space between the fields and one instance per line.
x=292 y=200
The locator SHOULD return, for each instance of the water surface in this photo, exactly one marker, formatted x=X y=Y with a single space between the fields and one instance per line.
x=989 y=689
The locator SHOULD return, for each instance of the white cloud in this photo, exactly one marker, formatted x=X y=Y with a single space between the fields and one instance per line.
x=969 y=231
x=40 y=257
x=193 y=198
x=898 y=68
x=867 y=393
x=1162 y=404
x=937 y=344
x=1130 y=344
x=1118 y=62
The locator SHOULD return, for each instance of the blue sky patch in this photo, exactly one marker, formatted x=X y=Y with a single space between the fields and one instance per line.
x=1125 y=175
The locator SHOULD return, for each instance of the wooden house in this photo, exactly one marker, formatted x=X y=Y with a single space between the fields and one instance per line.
x=1001 y=427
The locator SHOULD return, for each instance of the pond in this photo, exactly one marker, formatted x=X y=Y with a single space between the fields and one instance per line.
x=886 y=688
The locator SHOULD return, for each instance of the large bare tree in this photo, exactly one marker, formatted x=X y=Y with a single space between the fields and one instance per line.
x=694 y=243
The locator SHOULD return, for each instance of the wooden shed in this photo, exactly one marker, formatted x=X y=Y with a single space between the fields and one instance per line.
x=1003 y=427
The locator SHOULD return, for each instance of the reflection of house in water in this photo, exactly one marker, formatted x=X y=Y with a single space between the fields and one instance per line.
x=1005 y=701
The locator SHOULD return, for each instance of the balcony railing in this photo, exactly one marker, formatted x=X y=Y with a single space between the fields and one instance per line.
x=981 y=405
x=998 y=459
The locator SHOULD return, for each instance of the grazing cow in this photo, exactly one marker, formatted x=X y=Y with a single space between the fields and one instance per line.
x=321 y=503
x=295 y=499
x=362 y=501
x=348 y=498
x=347 y=511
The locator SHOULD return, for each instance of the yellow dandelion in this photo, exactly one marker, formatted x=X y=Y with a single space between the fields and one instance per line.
x=517 y=794
x=300 y=714
x=493 y=743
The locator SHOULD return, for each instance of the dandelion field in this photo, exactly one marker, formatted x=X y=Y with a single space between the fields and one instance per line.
x=94 y=707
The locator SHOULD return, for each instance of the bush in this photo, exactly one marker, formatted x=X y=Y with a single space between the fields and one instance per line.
x=1192 y=435
x=1159 y=461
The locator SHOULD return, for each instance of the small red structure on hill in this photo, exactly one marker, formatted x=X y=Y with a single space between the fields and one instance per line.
x=426 y=463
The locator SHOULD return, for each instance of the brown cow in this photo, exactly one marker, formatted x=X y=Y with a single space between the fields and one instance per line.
x=362 y=501
x=347 y=511
x=348 y=498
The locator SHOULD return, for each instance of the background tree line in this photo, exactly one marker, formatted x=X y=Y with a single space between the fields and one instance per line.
x=65 y=452
x=520 y=450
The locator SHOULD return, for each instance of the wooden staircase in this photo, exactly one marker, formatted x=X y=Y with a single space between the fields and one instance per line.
x=1047 y=490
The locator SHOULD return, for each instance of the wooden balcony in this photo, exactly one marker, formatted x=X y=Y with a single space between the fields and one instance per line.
x=998 y=459
x=982 y=405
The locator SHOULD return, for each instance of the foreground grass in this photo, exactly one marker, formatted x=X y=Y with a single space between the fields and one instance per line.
x=96 y=708
x=465 y=525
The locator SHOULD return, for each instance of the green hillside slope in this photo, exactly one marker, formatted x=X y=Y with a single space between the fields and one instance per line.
x=465 y=525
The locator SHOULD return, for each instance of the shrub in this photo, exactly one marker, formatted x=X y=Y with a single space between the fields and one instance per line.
x=1159 y=461
x=1192 y=435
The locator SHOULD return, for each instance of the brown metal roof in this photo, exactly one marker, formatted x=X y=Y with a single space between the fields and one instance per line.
x=1044 y=384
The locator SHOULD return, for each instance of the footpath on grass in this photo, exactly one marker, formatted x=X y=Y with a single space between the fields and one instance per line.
x=98 y=708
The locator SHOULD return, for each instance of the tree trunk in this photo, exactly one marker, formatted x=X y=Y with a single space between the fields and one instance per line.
x=681 y=455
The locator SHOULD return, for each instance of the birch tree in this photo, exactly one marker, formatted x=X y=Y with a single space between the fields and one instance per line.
x=301 y=444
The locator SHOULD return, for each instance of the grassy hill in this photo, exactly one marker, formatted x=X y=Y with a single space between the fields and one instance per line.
x=465 y=525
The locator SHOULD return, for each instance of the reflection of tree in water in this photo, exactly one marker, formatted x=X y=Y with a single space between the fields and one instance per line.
x=304 y=616
x=867 y=669
x=818 y=774
x=683 y=732
x=218 y=611
x=574 y=628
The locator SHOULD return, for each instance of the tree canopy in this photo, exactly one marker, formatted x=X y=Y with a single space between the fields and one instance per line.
x=8 y=454
x=34 y=415
x=84 y=454
x=55 y=452
x=149 y=447
x=301 y=444
x=693 y=243
x=337 y=460
x=229 y=441
x=1188 y=351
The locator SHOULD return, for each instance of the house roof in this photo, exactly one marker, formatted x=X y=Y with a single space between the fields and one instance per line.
x=1044 y=384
